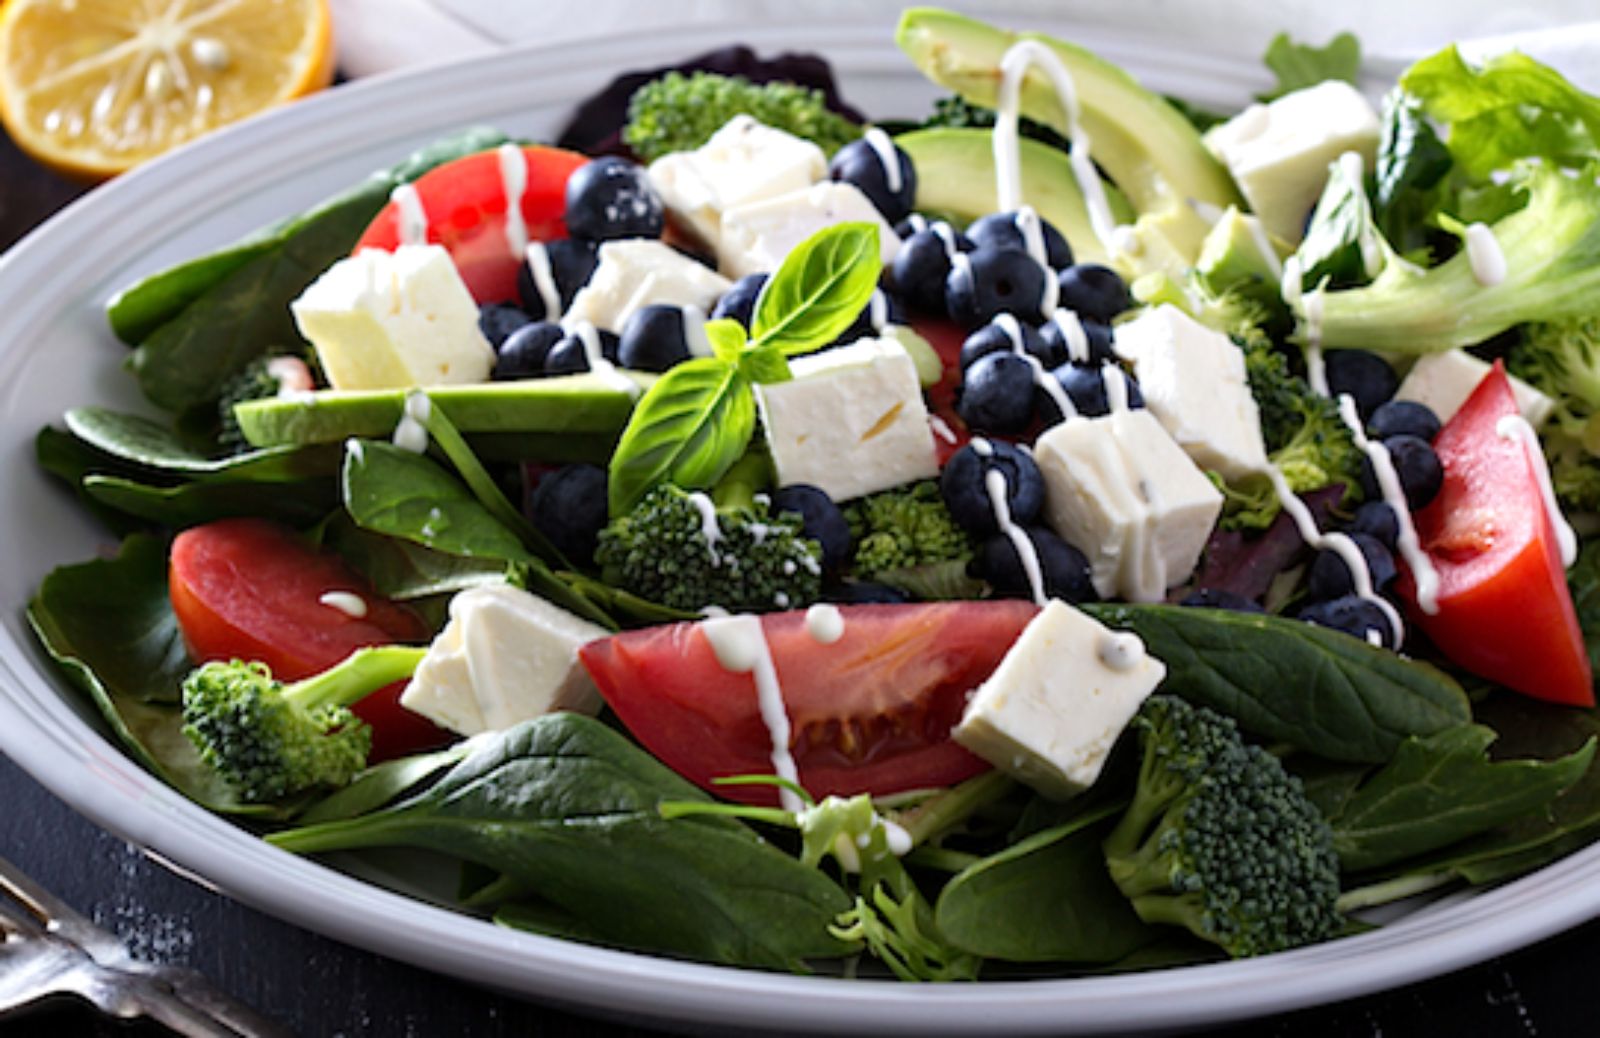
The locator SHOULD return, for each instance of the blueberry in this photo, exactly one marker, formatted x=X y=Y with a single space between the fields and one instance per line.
x=1063 y=569
x=1377 y=520
x=821 y=520
x=653 y=339
x=1421 y=475
x=1085 y=386
x=569 y=507
x=1063 y=344
x=1005 y=231
x=922 y=265
x=880 y=312
x=571 y=261
x=739 y=302
x=569 y=355
x=1096 y=293
x=1217 y=598
x=525 y=351
x=861 y=164
x=1365 y=376
x=1357 y=617
x=1330 y=574
x=994 y=281
x=995 y=337
x=498 y=320
x=997 y=394
x=865 y=592
x=965 y=489
x=612 y=198
x=1403 y=418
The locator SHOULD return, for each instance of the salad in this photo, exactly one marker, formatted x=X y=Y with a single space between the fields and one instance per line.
x=1070 y=531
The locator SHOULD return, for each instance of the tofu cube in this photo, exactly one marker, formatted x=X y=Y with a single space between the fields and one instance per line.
x=1050 y=713
x=392 y=320
x=1279 y=152
x=745 y=161
x=758 y=235
x=505 y=656
x=851 y=421
x=1193 y=380
x=1443 y=381
x=1120 y=490
x=633 y=274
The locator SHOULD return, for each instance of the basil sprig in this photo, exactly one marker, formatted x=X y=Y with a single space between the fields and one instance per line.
x=698 y=418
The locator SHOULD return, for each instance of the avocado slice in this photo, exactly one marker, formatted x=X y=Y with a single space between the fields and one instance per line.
x=526 y=412
x=956 y=181
x=1143 y=143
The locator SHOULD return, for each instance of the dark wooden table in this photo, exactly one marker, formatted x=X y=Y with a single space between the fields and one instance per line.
x=319 y=987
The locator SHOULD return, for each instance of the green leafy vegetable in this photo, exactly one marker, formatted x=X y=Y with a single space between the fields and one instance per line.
x=1342 y=246
x=1300 y=65
x=145 y=444
x=1412 y=168
x=189 y=504
x=820 y=289
x=382 y=784
x=403 y=569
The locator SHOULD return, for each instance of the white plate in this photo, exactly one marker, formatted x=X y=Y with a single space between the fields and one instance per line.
x=55 y=352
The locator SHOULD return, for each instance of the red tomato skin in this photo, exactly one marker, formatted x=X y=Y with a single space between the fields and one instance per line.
x=1505 y=611
x=871 y=712
x=946 y=339
x=465 y=201
x=249 y=589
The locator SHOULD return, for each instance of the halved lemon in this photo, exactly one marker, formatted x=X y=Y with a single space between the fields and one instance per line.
x=93 y=87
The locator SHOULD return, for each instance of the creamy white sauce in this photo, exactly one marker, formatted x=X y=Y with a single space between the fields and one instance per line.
x=741 y=647
x=825 y=623
x=942 y=429
x=898 y=839
x=994 y=481
x=694 y=331
x=292 y=375
x=1484 y=254
x=347 y=602
x=917 y=222
x=1116 y=388
x=1423 y=571
x=1309 y=305
x=884 y=148
x=1073 y=334
x=1515 y=427
x=411 y=434
x=589 y=335
x=1009 y=324
x=544 y=279
x=878 y=311
x=947 y=235
x=514 y=178
x=710 y=532
x=1120 y=650
x=1028 y=224
x=410 y=217
x=982 y=447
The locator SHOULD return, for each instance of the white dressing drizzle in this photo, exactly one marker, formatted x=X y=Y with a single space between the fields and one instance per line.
x=1009 y=324
x=544 y=279
x=1354 y=170
x=884 y=148
x=1515 y=427
x=941 y=429
x=1073 y=334
x=1394 y=495
x=409 y=215
x=947 y=235
x=741 y=647
x=1116 y=388
x=347 y=602
x=589 y=335
x=514 y=178
x=1120 y=650
x=917 y=222
x=982 y=447
x=1032 y=230
x=709 y=530
x=1309 y=305
x=825 y=623
x=411 y=434
x=1484 y=253
x=995 y=482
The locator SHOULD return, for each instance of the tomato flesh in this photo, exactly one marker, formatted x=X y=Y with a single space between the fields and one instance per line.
x=946 y=339
x=1504 y=609
x=251 y=589
x=870 y=713
x=466 y=205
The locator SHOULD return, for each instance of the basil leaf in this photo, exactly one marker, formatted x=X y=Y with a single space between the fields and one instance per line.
x=687 y=429
x=765 y=365
x=820 y=290
x=1300 y=65
x=727 y=338
x=1289 y=681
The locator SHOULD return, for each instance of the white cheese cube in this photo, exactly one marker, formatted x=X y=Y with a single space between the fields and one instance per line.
x=505 y=656
x=745 y=161
x=1193 y=380
x=1052 y=710
x=391 y=320
x=1120 y=490
x=851 y=421
x=757 y=236
x=635 y=273
x=1443 y=381
x=1279 y=152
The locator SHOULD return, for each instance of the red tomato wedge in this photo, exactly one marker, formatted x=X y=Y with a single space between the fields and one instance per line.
x=946 y=339
x=870 y=713
x=1504 y=608
x=251 y=589
x=466 y=202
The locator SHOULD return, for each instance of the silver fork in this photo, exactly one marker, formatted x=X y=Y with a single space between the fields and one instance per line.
x=48 y=948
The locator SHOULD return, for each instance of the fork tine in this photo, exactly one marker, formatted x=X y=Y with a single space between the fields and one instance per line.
x=52 y=913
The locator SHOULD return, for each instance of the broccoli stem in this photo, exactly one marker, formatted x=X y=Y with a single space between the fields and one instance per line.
x=944 y=811
x=348 y=834
x=357 y=676
x=1391 y=890
x=941 y=860
x=737 y=488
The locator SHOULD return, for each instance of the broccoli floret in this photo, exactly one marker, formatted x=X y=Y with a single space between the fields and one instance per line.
x=1562 y=359
x=957 y=112
x=680 y=113
x=269 y=740
x=682 y=551
x=904 y=528
x=261 y=379
x=1220 y=839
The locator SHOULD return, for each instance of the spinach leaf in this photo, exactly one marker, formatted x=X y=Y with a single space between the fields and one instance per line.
x=1442 y=789
x=1046 y=899
x=569 y=807
x=109 y=626
x=819 y=290
x=1411 y=170
x=189 y=504
x=1329 y=785
x=1300 y=65
x=132 y=440
x=404 y=570
x=198 y=323
x=1288 y=681
x=71 y=460
x=382 y=784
